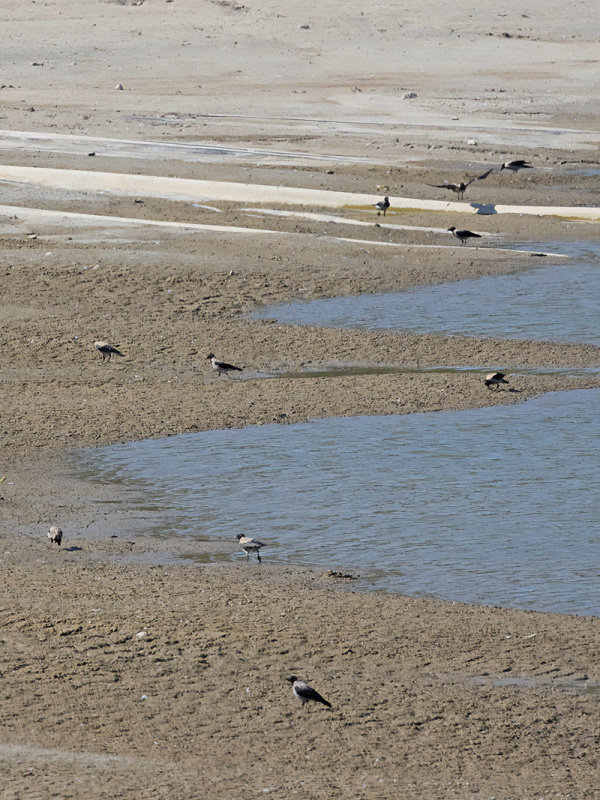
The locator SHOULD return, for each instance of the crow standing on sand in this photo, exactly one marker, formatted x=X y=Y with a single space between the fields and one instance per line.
x=305 y=692
x=222 y=366
x=382 y=205
x=107 y=350
x=464 y=235
x=460 y=188
x=55 y=535
x=250 y=545
x=515 y=166
x=495 y=379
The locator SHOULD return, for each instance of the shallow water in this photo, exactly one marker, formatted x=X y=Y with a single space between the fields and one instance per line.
x=496 y=505
x=555 y=302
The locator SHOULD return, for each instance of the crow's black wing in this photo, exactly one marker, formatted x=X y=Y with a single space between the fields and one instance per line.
x=225 y=365
x=451 y=186
x=485 y=174
x=308 y=693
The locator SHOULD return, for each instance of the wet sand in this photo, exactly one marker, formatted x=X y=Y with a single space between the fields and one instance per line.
x=129 y=672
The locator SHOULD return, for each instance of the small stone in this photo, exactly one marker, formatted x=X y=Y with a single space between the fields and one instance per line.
x=410 y=96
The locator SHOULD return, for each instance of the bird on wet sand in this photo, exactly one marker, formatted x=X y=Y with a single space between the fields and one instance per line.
x=515 y=166
x=305 y=692
x=55 y=535
x=250 y=545
x=382 y=205
x=107 y=350
x=460 y=188
x=495 y=379
x=222 y=366
x=464 y=234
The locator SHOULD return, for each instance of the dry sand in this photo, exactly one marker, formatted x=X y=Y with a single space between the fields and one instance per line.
x=130 y=674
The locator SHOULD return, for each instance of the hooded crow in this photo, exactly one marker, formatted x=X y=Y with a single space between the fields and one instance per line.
x=464 y=235
x=55 y=535
x=515 y=166
x=107 y=350
x=250 y=545
x=495 y=379
x=382 y=205
x=460 y=188
x=306 y=692
x=222 y=366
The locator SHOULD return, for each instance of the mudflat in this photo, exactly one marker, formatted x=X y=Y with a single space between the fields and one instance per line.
x=128 y=672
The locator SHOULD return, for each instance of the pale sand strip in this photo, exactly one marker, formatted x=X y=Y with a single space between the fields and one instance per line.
x=449 y=247
x=343 y=220
x=51 y=217
x=196 y=190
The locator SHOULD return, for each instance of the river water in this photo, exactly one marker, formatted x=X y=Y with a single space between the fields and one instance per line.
x=554 y=302
x=496 y=505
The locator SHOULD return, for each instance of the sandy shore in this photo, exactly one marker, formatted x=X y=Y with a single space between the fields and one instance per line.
x=128 y=673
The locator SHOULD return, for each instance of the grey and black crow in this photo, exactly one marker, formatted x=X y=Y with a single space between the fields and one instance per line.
x=305 y=692
x=107 y=350
x=495 y=379
x=515 y=166
x=222 y=366
x=382 y=205
x=55 y=535
x=464 y=235
x=250 y=545
x=460 y=188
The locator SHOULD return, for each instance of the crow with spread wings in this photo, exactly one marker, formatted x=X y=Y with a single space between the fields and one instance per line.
x=460 y=188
